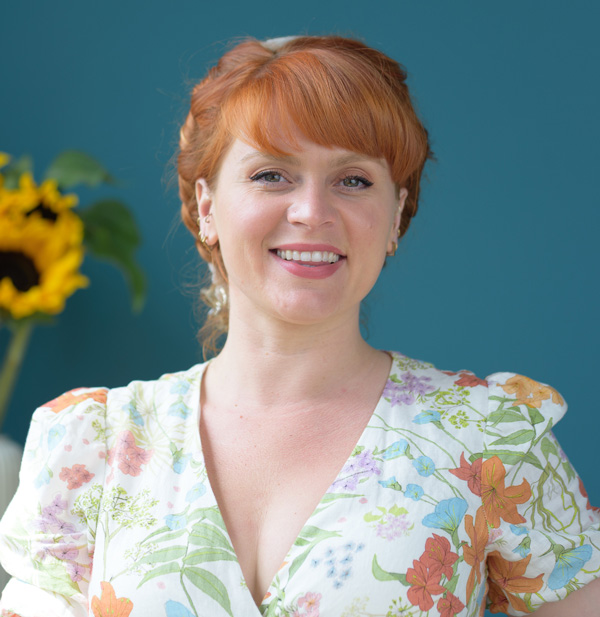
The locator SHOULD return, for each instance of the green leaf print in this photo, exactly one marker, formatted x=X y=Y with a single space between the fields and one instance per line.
x=514 y=458
x=548 y=448
x=168 y=568
x=519 y=437
x=504 y=415
x=208 y=553
x=204 y=534
x=535 y=416
x=164 y=554
x=210 y=585
x=53 y=575
x=381 y=575
x=310 y=536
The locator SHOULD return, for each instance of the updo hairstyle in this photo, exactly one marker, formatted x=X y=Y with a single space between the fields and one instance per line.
x=336 y=91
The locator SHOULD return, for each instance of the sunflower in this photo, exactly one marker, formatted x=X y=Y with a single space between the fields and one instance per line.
x=39 y=262
x=29 y=199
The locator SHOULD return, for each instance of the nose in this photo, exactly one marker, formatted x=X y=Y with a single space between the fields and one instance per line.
x=312 y=207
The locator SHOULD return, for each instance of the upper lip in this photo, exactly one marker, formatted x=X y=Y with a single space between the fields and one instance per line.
x=309 y=247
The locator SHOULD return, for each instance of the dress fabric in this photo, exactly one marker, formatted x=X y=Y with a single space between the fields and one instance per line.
x=456 y=496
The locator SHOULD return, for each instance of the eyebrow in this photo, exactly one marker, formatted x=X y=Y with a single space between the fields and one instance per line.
x=344 y=159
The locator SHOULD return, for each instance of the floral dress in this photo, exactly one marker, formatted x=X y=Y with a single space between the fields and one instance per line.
x=456 y=496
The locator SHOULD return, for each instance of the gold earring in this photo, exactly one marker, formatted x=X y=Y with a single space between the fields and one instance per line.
x=201 y=234
x=393 y=251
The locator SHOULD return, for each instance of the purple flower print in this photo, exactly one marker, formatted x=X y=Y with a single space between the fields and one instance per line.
x=56 y=507
x=391 y=526
x=76 y=571
x=405 y=392
x=359 y=467
x=65 y=552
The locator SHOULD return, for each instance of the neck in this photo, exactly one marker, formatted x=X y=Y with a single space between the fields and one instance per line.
x=265 y=362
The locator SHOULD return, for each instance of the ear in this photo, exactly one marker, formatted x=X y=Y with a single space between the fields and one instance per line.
x=204 y=200
x=393 y=239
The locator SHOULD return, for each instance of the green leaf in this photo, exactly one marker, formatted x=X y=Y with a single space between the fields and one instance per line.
x=548 y=447
x=212 y=514
x=208 y=553
x=164 y=554
x=396 y=510
x=210 y=585
x=111 y=234
x=382 y=575
x=514 y=458
x=73 y=167
x=298 y=561
x=568 y=470
x=504 y=415
x=13 y=172
x=451 y=584
x=535 y=416
x=516 y=438
x=167 y=568
x=475 y=456
x=204 y=534
x=371 y=518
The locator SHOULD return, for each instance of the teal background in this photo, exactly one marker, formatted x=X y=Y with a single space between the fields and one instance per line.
x=499 y=270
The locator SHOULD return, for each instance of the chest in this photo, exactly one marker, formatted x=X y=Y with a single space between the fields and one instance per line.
x=268 y=478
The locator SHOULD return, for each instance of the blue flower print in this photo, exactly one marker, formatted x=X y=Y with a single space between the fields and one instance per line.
x=179 y=409
x=427 y=416
x=134 y=414
x=195 y=492
x=180 y=387
x=568 y=563
x=176 y=609
x=524 y=548
x=398 y=448
x=43 y=477
x=448 y=515
x=175 y=521
x=180 y=462
x=424 y=466
x=414 y=492
x=519 y=530
x=391 y=483
x=55 y=434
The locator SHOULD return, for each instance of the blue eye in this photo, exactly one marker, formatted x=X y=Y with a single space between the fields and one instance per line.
x=356 y=182
x=270 y=177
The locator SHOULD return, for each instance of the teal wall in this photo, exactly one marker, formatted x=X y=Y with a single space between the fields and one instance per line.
x=500 y=269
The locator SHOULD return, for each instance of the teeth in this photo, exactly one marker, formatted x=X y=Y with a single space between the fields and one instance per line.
x=307 y=256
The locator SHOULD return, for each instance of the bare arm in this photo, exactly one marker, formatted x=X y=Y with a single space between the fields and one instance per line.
x=584 y=602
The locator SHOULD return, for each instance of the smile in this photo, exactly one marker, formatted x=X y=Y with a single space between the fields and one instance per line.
x=308 y=257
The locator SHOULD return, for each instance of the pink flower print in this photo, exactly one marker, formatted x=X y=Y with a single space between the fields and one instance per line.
x=310 y=603
x=75 y=476
x=130 y=457
x=65 y=552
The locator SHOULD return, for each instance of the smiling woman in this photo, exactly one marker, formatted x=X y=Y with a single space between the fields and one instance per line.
x=300 y=472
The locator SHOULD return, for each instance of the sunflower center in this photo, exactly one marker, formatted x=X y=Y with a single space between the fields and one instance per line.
x=19 y=269
x=44 y=211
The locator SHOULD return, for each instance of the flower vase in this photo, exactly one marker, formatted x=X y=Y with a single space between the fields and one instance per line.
x=10 y=462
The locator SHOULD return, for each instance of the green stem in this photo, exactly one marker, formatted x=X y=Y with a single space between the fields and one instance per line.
x=12 y=363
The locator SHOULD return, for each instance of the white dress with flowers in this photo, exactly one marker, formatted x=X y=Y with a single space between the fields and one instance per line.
x=456 y=491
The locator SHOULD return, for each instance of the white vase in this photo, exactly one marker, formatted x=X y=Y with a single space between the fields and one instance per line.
x=10 y=462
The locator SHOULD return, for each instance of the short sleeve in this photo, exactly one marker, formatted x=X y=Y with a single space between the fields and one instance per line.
x=543 y=535
x=47 y=533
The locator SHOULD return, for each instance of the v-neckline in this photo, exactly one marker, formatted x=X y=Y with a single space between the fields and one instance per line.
x=194 y=394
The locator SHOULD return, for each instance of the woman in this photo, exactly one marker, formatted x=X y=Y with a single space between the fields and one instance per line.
x=322 y=476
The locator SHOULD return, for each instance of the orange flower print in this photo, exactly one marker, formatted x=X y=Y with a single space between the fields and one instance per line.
x=474 y=555
x=75 y=476
x=468 y=380
x=130 y=457
x=469 y=472
x=70 y=398
x=530 y=392
x=108 y=605
x=438 y=555
x=424 y=583
x=500 y=501
x=449 y=606
x=508 y=576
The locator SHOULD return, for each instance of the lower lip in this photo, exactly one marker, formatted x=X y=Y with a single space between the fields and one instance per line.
x=309 y=272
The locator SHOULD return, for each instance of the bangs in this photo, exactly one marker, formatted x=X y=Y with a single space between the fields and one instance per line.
x=330 y=100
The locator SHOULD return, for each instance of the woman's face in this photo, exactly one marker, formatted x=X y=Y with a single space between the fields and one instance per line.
x=303 y=237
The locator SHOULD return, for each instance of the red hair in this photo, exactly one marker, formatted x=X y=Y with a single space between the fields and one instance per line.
x=335 y=91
